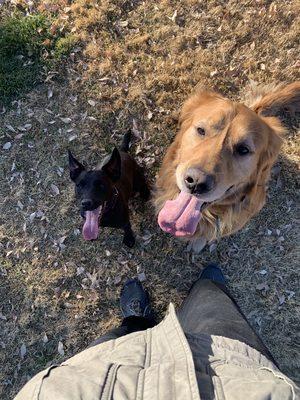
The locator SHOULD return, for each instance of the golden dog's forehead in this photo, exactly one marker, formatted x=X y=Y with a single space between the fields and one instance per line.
x=217 y=113
x=224 y=116
x=245 y=124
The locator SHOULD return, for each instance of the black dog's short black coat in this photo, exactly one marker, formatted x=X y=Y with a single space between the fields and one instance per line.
x=108 y=188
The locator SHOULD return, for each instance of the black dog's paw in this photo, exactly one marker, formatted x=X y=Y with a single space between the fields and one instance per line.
x=129 y=240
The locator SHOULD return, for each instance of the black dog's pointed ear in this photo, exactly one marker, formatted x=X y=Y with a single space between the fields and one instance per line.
x=75 y=167
x=113 y=166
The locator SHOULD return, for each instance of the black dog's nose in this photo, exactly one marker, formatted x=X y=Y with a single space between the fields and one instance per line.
x=199 y=183
x=86 y=204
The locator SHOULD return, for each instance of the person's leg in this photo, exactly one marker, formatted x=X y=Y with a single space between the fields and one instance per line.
x=210 y=309
x=136 y=311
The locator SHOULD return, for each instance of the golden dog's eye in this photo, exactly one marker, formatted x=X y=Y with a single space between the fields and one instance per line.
x=242 y=150
x=201 y=131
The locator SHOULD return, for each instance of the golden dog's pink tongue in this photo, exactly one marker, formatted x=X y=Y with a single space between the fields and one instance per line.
x=181 y=216
x=90 y=228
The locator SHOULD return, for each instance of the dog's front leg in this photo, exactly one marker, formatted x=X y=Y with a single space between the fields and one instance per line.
x=128 y=239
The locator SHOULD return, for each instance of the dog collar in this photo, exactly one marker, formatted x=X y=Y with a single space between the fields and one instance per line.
x=111 y=205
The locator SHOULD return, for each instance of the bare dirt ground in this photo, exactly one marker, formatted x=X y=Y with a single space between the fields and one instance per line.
x=137 y=60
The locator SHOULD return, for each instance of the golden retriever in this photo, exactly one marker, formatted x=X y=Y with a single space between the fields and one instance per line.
x=213 y=177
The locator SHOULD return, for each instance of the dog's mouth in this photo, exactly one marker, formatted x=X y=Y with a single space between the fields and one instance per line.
x=229 y=189
x=90 y=230
x=181 y=216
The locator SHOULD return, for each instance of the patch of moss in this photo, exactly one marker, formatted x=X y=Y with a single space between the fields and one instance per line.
x=26 y=45
x=64 y=45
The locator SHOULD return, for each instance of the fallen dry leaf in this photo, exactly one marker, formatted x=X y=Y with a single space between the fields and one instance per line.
x=54 y=189
x=60 y=171
x=94 y=280
x=21 y=128
x=20 y=205
x=60 y=348
x=73 y=98
x=32 y=216
x=71 y=138
x=3 y=317
x=135 y=129
x=173 y=18
x=263 y=286
x=50 y=93
x=263 y=272
x=281 y=299
x=123 y=24
x=7 y=146
x=212 y=247
x=142 y=277
x=66 y=120
x=290 y=293
x=23 y=351
x=45 y=338
x=61 y=239
x=10 y=128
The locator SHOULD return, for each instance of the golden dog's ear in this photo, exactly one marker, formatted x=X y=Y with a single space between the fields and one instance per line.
x=272 y=104
x=200 y=96
x=271 y=151
x=276 y=101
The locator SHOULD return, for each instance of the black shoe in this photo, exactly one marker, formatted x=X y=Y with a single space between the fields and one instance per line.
x=134 y=300
x=214 y=273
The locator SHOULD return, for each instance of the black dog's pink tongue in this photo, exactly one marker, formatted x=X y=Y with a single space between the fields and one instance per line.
x=91 y=226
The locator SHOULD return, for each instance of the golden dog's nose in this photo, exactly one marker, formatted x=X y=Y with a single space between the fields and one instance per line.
x=198 y=181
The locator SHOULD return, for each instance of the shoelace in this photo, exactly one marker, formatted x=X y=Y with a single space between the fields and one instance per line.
x=135 y=306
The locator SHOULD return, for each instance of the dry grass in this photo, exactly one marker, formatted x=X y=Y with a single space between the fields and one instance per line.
x=137 y=60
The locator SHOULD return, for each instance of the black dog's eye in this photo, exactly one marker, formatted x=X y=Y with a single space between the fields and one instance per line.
x=99 y=185
x=201 y=131
x=242 y=150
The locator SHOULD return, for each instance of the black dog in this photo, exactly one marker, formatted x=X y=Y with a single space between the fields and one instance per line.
x=104 y=192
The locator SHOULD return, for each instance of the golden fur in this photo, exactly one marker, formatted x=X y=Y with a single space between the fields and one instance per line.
x=258 y=122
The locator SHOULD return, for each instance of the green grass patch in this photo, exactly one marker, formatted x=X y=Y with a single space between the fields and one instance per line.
x=63 y=46
x=26 y=46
